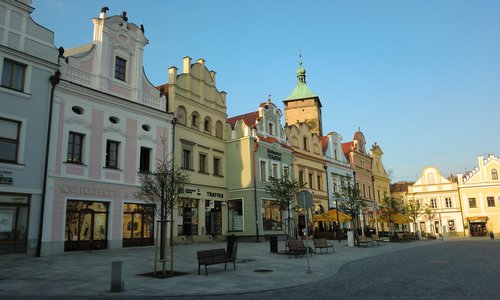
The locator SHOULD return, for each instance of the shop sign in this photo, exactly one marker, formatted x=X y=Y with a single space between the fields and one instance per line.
x=273 y=154
x=6 y=177
x=88 y=191
x=215 y=195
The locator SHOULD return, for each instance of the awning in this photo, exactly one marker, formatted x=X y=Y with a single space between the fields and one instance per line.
x=397 y=218
x=477 y=219
x=331 y=216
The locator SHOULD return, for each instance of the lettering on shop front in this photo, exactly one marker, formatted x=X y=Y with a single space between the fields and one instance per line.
x=6 y=179
x=88 y=191
x=215 y=195
x=273 y=155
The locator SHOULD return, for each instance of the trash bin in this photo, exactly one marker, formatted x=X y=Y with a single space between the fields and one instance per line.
x=273 y=243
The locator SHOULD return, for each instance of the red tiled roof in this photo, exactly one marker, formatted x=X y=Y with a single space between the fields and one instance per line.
x=273 y=140
x=249 y=119
x=165 y=88
x=347 y=147
x=324 y=143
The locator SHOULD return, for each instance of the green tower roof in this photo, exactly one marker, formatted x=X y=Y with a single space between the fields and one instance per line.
x=301 y=91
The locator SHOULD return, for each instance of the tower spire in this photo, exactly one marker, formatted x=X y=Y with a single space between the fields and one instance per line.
x=301 y=72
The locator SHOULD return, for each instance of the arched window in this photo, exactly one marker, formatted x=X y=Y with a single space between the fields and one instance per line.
x=181 y=115
x=195 y=120
x=218 y=129
x=494 y=174
x=207 y=125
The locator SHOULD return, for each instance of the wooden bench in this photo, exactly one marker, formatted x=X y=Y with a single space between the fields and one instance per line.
x=322 y=244
x=402 y=237
x=212 y=257
x=296 y=247
x=376 y=239
x=364 y=240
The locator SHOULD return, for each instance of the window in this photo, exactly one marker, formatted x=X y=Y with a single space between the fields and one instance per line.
x=286 y=172
x=491 y=201
x=494 y=174
x=195 y=119
x=369 y=192
x=362 y=164
x=270 y=129
x=335 y=155
x=275 y=170
x=207 y=125
x=120 y=68
x=202 y=161
x=14 y=212
x=13 y=75
x=186 y=159
x=433 y=203
x=145 y=160
x=217 y=168
x=378 y=195
x=448 y=202
x=9 y=140
x=235 y=215
x=310 y=180
x=263 y=172
x=112 y=154
x=301 y=177
x=271 y=215
x=181 y=115
x=218 y=129
x=305 y=144
x=472 y=203
x=335 y=186
x=364 y=190
x=319 y=182
x=75 y=147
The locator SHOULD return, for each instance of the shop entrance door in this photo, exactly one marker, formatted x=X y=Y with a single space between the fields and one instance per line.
x=86 y=226
x=138 y=225
x=186 y=220
x=477 y=229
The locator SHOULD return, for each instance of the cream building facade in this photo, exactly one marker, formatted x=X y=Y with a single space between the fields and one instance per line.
x=480 y=194
x=200 y=150
x=440 y=194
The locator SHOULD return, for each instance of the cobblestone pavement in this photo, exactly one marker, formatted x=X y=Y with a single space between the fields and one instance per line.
x=456 y=269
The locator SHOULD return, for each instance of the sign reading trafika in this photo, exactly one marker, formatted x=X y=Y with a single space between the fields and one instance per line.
x=305 y=201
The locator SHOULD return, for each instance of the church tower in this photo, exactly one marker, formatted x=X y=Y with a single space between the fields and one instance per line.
x=303 y=105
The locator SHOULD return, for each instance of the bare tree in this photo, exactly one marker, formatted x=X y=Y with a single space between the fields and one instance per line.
x=430 y=214
x=163 y=188
x=284 y=191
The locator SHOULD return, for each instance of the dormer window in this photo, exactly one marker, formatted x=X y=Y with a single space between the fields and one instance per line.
x=494 y=174
x=270 y=129
x=120 y=68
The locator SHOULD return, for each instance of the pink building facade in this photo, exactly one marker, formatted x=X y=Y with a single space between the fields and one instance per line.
x=109 y=124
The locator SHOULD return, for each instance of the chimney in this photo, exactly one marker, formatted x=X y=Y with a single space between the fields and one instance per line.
x=201 y=61
x=172 y=75
x=186 y=65
x=480 y=160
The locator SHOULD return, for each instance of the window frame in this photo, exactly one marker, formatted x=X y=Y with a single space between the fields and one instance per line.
x=494 y=174
x=472 y=202
x=112 y=163
x=145 y=160
x=490 y=200
x=217 y=171
x=203 y=163
x=269 y=207
x=70 y=153
x=120 y=70
x=448 y=202
x=186 y=158
x=433 y=202
x=16 y=142
x=263 y=170
x=11 y=85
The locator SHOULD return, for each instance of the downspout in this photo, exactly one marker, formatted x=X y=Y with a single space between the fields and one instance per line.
x=254 y=150
x=54 y=80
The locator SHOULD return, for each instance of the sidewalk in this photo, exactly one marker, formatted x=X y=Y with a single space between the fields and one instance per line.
x=89 y=273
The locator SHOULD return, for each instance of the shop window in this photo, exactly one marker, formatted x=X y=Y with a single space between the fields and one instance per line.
x=112 y=148
x=86 y=225
x=138 y=225
x=9 y=140
x=451 y=225
x=120 y=68
x=145 y=160
x=271 y=215
x=491 y=201
x=13 y=75
x=235 y=215
x=213 y=217
x=472 y=203
x=13 y=223
x=75 y=148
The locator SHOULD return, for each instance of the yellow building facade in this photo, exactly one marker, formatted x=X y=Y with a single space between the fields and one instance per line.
x=480 y=194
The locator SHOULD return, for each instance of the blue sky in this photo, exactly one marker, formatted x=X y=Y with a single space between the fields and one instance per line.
x=420 y=78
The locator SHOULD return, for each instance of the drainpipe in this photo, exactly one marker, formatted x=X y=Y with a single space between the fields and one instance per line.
x=254 y=150
x=54 y=80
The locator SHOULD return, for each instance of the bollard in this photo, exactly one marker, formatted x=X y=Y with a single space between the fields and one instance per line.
x=117 y=284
